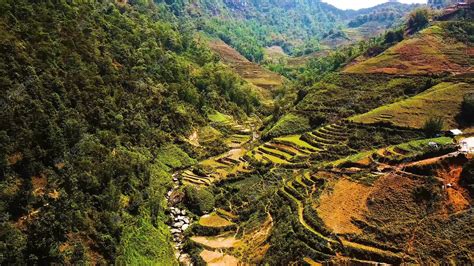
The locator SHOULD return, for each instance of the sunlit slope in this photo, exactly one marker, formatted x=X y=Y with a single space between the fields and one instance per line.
x=429 y=51
x=443 y=100
x=265 y=80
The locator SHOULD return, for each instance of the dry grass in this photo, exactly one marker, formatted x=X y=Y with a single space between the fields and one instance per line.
x=213 y=258
x=214 y=220
x=443 y=100
x=264 y=80
x=219 y=242
x=430 y=51
x=346 y=201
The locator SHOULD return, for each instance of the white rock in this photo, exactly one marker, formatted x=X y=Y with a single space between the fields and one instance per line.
x=184 y=227
x=183 y=212
x=175 y=231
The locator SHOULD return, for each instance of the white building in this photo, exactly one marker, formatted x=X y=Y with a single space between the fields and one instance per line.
x=467 y=145
x=455 y=132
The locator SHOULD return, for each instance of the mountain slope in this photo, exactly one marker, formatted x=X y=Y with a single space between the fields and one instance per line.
x=298 y=27
x=95 y=100
x=432 y=51
x=443 y=100
x=265 y=80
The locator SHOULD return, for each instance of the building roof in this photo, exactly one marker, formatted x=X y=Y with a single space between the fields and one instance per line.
x=455 y=132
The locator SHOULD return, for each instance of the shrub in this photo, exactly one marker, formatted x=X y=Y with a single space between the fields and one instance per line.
x=199 y=201
x=467 y=113
x=418 y=19
x=433 y=126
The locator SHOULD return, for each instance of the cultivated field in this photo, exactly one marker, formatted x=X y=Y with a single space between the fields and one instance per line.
x=429 y=52
x=443 y=100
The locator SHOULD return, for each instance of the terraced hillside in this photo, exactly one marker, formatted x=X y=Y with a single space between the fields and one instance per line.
x=330 y=191
x=431 y=51
x=325 y=143
x=230 y=163
x=265 y=80
x=443 y=100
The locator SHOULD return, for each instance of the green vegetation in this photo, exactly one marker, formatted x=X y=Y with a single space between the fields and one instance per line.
x=330 y=99
x=94 y=96
x=467 y=113
x=418 y=19
x=173 y=157
x=103 y=101
x=199 y=200
x=141 y=244
x=433 y=126
x=288 y=124
x=386 y=14
x=443 y=100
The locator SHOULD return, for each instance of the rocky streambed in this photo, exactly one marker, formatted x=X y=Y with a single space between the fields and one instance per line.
x=179 y=222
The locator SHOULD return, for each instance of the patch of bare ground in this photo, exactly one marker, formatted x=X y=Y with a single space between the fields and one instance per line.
x=218 y=242
x=414 y=214
x=346 y=201
x=213 y=258
x=39 y=184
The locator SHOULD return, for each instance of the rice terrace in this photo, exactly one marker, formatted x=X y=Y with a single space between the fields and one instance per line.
x=237 y=132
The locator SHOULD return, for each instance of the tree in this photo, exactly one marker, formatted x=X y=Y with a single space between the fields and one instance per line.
x=418 y=19
x=467 y=113
x=433 y=126
x=199 y=201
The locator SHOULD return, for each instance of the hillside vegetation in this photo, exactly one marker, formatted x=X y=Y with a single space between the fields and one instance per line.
x=93 y=98
x=147 y=132
x=443 y=100
x=432 y=51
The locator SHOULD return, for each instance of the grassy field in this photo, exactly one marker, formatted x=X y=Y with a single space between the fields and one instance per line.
x=443 y=100
x=430 y=51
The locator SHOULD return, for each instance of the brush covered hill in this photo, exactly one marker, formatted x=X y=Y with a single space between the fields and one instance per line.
x=94 y=99
x=446 y=47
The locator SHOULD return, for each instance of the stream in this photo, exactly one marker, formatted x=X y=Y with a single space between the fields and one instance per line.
x=179 y=222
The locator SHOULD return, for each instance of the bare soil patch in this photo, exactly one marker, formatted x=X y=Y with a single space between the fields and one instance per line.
x=213 y=258
x=219 y=242
x=346 y=202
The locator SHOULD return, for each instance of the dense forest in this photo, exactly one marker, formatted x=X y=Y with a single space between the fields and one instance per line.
x=91 y=95
x=296 y=26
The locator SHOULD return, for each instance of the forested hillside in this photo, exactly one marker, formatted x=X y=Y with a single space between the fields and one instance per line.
x=139 y=132
x=299 y=27
x=91 y=95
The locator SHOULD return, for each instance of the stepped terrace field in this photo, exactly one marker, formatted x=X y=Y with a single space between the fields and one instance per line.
x=430 y=51
x=443 y=100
